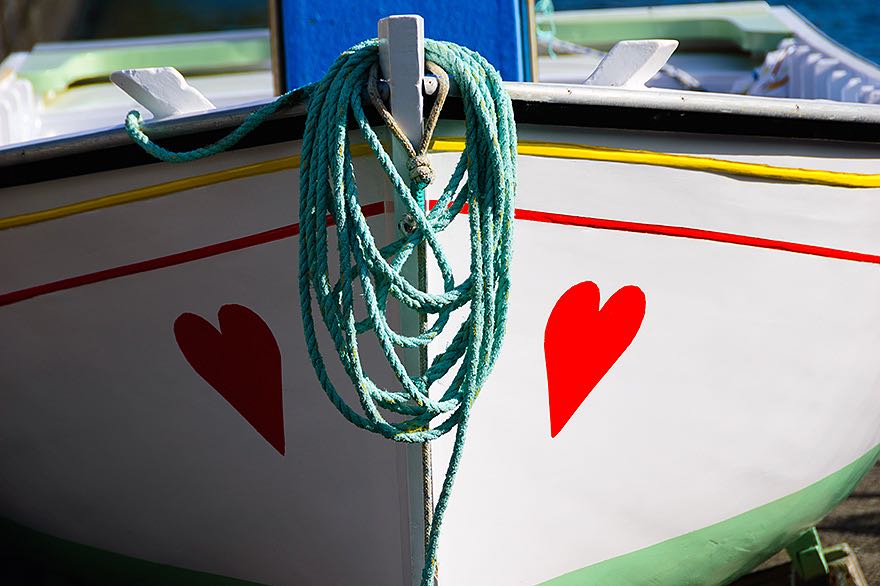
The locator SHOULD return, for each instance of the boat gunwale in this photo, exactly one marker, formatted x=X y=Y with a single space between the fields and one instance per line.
x=534 y=103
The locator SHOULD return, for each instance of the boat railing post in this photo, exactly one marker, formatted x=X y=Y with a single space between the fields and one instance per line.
x=402 y=61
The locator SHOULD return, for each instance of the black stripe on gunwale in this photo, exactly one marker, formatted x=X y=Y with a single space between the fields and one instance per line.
x=287 y=126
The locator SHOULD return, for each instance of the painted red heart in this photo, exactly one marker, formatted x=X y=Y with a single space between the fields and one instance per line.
x=241 y=361
x=582 y=342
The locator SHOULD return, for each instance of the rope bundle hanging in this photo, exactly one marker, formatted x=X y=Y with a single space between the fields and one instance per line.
x=484 y=180
x=328 y=187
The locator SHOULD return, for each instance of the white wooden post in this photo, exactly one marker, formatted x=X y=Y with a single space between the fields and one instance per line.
x=402 y=60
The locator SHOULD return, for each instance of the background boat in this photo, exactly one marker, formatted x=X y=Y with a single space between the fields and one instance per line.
x=741 y=47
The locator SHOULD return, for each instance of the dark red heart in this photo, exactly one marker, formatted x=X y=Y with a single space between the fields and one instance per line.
x=241 y=361
x=582 y=342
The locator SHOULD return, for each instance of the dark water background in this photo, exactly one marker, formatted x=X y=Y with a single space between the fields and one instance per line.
x=852 y=23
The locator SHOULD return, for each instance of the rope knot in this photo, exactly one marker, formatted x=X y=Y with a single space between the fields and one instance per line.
x=420 y=171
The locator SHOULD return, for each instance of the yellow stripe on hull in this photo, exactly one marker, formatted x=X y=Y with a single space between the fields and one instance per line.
x=689 y=162
x=441 y=145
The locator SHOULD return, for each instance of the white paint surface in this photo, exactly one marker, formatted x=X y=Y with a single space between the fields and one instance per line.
x=108 y=437
x=631 y=64
x=161 y=90
x=116 y=442
x=705 y=416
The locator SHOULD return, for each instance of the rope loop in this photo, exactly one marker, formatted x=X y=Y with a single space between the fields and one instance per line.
x=254 y=120
x=419 y=166
x=484 y=179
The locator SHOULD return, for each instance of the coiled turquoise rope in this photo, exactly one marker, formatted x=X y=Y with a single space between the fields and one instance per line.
x=328 y=187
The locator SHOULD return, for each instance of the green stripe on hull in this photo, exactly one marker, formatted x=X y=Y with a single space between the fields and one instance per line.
x=37 y=558
x=723 y=552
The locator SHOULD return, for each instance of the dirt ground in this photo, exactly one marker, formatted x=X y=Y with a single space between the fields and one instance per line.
x=856 y=522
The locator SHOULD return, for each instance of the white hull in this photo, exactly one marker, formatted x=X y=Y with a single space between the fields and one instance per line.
x=734 y=392
x=753 y=375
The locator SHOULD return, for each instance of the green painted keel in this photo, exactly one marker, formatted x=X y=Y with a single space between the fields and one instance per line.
x=721 y=553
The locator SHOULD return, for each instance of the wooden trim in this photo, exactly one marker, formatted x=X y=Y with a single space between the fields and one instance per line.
x=533 y=38
x=276 y=35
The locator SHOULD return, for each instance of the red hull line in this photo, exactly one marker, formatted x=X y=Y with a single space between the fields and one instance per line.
x=289 y=231
x=379 y=207
x=695 y=234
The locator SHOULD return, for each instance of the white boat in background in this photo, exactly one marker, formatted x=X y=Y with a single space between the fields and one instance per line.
x=737 y=47
x=688 y=383
x=59 y=89
x=740 y=47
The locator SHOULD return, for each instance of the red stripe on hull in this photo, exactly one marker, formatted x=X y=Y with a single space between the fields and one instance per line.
x=379 y=207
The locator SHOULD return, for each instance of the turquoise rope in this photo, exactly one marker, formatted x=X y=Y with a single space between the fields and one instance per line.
x=484 y=179
x=255 y=119
x=548 y=35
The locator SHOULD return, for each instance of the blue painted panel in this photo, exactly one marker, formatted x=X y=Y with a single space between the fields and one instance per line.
x=315 y=33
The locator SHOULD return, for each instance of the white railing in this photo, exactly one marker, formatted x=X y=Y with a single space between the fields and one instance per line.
x=18 y=104
x=810 y=65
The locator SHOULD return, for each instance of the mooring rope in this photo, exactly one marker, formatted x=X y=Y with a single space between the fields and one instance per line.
x=484 y=180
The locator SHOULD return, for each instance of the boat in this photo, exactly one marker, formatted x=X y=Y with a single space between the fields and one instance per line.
x=687 y=384
x=58 y=89
x=738 y=47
